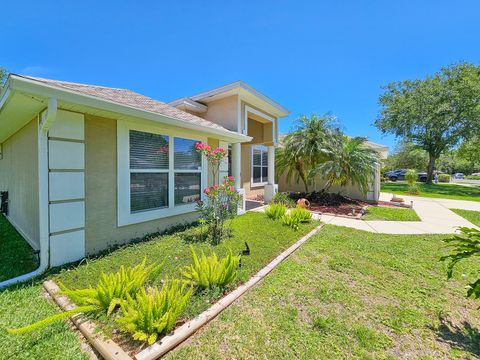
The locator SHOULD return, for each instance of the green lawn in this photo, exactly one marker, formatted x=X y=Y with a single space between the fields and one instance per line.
x=446 y=191
x=470 y=215
x=389 y=213
x=350 y=294
x=266 y=239
x=16 y=255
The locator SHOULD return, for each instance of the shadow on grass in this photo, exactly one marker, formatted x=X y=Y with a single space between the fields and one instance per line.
x=463 y=337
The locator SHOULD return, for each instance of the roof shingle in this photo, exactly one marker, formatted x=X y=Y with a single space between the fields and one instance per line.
x=129 y=98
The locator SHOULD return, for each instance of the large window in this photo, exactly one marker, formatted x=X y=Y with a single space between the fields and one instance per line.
x=259 y=165
x=159 y=174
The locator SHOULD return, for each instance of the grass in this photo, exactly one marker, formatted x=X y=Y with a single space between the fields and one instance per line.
x=266 y=239
x=16 y=255
x=446 y=191
x=350 y=294
x=390 y=214
x=470 y=215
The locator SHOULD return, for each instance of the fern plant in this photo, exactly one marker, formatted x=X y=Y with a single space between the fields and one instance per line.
x=207 y=272
x=463 y=246
x=291 y=221
x=275 y=211
x=154 y=311
x=302 y=214
x=111 y=290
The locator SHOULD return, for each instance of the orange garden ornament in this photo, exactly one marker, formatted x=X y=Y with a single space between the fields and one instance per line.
x=303 y=203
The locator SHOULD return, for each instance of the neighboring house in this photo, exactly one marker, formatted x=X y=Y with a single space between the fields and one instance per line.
x=350 y=190
x=88 y=167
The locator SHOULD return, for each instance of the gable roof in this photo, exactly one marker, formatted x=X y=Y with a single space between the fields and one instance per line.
x=130 y=98
x=237 y=88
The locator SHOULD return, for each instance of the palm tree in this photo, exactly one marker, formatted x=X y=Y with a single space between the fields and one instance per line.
x=350 y=161
x=305 y=147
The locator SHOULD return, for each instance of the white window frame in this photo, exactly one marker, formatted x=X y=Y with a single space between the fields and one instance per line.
x=264 y=149
x=124 y=215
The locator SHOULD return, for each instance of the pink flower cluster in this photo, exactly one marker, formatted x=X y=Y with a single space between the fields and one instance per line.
x=212 y=155
x=227 y=187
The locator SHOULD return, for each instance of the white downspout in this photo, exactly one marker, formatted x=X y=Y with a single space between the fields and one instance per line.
x=45 y=123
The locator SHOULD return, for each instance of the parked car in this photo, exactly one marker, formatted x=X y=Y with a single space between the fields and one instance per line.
x=475 y=174
x=396 y=175
x=459 y=176
x=422 y=176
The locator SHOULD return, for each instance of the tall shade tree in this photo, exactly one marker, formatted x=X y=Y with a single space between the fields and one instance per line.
x=470 y=152
x=435 y=113
x=305 y=147
x=350 y=161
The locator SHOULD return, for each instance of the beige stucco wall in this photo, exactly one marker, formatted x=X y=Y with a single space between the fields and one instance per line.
x=349 y=190
x=101 y=230
x=19 y=176
x=223 y=112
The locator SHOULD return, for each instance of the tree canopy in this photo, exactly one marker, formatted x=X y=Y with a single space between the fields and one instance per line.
x=435 y=113
x=3 y=76
x=316 y=146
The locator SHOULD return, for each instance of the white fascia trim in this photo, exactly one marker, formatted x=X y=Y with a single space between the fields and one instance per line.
x=190 y=105
x=124 y=216
x=240 y=85
x=44 y=90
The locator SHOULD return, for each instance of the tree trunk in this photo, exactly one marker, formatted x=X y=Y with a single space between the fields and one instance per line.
x=299 y=167
x=431 y=166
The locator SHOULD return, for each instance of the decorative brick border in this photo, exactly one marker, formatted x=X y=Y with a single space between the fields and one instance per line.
x=179 y=335
x=110 y=350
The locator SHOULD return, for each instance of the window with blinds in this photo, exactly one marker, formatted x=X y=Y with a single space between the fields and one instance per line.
x=153 y=176
x=187 y=169
x=259 y=165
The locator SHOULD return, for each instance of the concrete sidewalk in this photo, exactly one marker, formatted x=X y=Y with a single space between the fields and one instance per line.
x=434 y=213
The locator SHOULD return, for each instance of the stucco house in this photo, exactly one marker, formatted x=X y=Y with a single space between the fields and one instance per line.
x=85 y=167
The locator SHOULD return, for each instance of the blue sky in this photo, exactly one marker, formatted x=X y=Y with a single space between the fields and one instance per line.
x=310 y=56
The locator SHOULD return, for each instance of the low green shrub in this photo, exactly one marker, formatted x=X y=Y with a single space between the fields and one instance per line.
x=154 y=312
x=302 y=214
x=284 y=199
x=413 y=189
x=444 y=178
x=291 y=221
x=275 y=211
x=111 y=290
x=207 y=272
x=472 y=177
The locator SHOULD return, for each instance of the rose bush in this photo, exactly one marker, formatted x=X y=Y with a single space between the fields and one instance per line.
x=221 y=201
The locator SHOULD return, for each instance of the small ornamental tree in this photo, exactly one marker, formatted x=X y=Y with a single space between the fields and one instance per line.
x=411 y=177
x=221 y=202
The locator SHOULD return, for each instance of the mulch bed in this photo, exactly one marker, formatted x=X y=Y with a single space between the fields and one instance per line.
x=336 y=204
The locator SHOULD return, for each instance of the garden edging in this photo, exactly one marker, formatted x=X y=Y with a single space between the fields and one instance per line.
x=109 y=349
x=169 y=342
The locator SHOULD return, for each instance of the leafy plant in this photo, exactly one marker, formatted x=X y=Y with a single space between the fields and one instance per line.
x=349 y=161
x=221 y=200
x=464 y=246
x=154 y=311
x=444 y=178
x=302 y=214
x=275 y=211
x=207 y=272
x=284 y=199
x=291 y=221
x=110 y=291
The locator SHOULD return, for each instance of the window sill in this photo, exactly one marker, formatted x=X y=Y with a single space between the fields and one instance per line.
x=257 y=185
x=144 y=216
